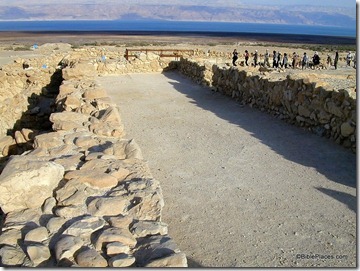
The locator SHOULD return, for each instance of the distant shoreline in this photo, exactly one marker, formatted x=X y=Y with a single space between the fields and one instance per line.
x=180 y=35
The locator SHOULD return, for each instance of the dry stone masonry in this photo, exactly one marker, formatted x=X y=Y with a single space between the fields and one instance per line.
x=76 y=192
x=302 y=99
x=83 y=196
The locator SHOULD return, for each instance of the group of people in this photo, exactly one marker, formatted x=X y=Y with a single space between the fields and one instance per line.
x=282 y=60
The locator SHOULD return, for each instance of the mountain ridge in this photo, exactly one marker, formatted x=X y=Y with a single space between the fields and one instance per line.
x=309 y=15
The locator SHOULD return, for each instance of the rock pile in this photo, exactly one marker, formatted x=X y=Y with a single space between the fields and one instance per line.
x=84 y=196
x=301 y=99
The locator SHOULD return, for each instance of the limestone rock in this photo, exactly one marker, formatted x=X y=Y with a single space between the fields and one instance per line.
x=6 y=144
x=115 y=235
x=38 y=253
x=10 y=237
x=111 y=114
x=20 y=219
x=68 y=120
x=67 y=246
x=90 y=258
x=12 y=256
x=38 y=235
x=80 y=70
x=55 y=223
x=71 y=211
x=73 y=193
x=120 y=221
x=94 y=178
x=145 y=228
x=115 y=248
x=48 y=140
x=84 y=227
x=70 y=162
x=109 y=206
x=174 y=260
x=125 y=149
x=347 y=129
x=19 y=138
x=122 y=260
x=21 y=178
x=95 y=93
x=154 y=247
x=48 y=205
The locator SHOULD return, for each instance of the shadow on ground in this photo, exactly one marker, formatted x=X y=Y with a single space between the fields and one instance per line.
x=345 y=198
x=293 y=143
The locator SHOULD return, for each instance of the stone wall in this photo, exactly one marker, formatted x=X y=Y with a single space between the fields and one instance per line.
x=79 y=192
x=83 y=196
x=301 y=99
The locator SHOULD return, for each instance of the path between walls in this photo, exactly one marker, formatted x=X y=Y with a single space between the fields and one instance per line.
x=241 y=188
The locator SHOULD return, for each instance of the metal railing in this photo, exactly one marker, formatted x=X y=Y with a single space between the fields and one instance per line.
x=177 y=53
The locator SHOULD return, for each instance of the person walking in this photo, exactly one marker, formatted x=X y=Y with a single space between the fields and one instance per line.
x=285 y=60
x=275 y=59
x=329 y=61
x=279 y=61
x=305 y=61
x=294 y=60
x=336 y=59
x=266 y=59
x=316 y=60
x=256 y=58
x=235 y=57
x=246 y=57
x=348 y=59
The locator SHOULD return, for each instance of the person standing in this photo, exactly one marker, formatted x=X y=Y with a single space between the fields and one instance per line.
x=316 y=60
x=266 y=59
x=294 y=59
x=256 y=58
x=348 y=59
x=235 y=57
x=275 y=59
x=329 y=61
x=354 y=60
x=285 y=60
x=305 y=61
x=279 y=61
x=246 y=57
x=336 y=59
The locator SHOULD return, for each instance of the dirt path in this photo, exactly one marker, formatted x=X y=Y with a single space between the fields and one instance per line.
x=241 y=188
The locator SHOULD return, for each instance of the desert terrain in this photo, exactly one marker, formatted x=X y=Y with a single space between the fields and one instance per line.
x=241 y=188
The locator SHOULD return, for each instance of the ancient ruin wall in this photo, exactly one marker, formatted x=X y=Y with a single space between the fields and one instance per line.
x=85 y=166
x=83 y=196
x=299 y=99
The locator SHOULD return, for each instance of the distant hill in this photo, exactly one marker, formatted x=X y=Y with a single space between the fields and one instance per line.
x=228 y=12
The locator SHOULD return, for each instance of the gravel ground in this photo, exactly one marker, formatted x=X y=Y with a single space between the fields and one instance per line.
x=241 y=188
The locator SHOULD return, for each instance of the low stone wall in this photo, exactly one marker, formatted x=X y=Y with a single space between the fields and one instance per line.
x=83 y=196
x=81 y=193
x=301 y=99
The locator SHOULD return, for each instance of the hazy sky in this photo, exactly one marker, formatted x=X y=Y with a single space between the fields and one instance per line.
x=333 y=3
x=337 y=3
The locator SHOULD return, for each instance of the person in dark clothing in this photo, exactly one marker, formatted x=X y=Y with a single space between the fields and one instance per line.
x=336 y=59
x=235 y=57
x=285 y=61
x=316 y=60
x=275 y=59
x=246 y=57
x=256 y=58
